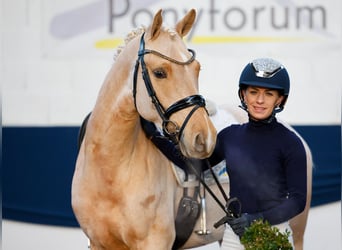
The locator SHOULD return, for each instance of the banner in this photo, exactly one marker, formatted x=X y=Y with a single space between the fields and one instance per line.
x=81 y=28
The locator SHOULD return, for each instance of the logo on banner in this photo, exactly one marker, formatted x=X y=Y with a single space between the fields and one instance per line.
x=246 y=21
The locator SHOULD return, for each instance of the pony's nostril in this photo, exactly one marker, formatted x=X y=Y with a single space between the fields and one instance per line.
x=199 y=143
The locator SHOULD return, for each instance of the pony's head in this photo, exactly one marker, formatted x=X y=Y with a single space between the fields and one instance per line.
x=165 y=87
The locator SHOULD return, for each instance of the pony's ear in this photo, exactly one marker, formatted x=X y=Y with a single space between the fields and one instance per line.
x=156 y=25
x=184 y=25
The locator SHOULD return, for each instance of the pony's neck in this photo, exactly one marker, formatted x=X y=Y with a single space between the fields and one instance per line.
x=114 y=122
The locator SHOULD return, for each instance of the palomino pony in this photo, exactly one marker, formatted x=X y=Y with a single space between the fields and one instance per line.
x=124 y=191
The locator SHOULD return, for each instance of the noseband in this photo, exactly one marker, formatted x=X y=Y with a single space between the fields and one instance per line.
x=170 y=128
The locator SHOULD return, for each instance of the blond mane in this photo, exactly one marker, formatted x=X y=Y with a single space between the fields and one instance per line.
x=136 y=32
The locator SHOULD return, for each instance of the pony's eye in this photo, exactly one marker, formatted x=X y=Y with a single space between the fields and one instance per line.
x=159 y=73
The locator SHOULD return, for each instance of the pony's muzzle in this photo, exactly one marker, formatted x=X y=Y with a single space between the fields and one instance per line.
x=198 y=145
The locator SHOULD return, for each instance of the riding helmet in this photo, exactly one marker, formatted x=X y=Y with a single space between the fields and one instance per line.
x=267 y=73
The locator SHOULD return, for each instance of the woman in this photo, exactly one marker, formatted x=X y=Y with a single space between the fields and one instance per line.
x=265 y=161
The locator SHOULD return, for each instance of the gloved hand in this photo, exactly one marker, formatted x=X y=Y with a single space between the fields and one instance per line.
x=240 y=224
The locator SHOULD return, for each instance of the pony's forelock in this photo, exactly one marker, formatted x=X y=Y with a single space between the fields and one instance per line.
x=171 y=31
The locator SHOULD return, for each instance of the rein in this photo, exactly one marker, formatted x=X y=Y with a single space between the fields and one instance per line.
x=170 y=128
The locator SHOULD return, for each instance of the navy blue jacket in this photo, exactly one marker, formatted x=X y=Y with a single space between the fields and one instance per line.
x=266 y=164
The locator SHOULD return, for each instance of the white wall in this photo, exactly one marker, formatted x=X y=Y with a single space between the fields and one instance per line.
x=53 y=64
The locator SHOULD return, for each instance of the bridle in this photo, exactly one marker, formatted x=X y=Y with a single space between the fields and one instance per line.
x=175 y=134
x=170 y=128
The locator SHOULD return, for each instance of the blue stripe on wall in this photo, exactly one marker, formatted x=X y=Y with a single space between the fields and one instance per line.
x=38 y=164
x=325 y=144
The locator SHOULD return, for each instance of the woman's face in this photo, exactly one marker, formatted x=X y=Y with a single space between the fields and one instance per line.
x=261 y=101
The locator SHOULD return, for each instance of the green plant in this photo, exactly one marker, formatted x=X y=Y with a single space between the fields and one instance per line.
x=262 y=236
